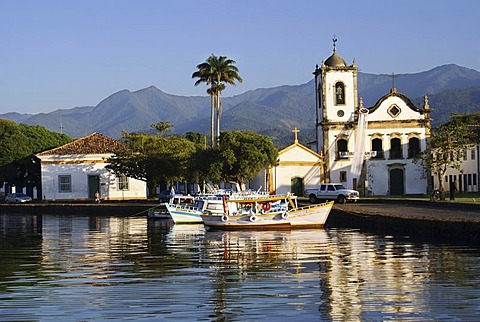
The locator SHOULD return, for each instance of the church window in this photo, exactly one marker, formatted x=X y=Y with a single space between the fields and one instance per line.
x=394 y=111
x=413 y=147
x=377 y=147
x=342 y=149
x=340 y=113
x=343 y=176
x=395 y=149
x=339 y=93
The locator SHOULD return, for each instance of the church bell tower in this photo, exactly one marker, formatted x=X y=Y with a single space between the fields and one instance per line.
x=336 y=105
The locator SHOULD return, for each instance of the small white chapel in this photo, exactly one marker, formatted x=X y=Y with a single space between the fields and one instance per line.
x=370 y=149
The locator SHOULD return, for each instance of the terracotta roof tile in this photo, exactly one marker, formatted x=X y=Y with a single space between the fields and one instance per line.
x=94 y=143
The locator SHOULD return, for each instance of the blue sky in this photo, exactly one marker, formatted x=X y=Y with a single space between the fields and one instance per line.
x=65 y=53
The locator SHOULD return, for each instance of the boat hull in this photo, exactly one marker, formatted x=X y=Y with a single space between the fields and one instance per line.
x=313 y=216
x=184 y=215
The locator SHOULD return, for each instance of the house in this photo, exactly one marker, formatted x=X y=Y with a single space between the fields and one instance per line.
x=298 y=168
x=466 y=178
x=370 y=149
x=76 y=171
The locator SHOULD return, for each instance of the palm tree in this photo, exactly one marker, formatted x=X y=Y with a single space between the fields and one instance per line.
x=216 y=72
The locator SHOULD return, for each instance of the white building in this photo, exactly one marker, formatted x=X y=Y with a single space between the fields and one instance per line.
x=465 y=179
x=298 y=168
x=368 y=149
x=75 y=171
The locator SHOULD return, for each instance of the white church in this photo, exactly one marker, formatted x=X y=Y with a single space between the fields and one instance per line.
x=370 y=149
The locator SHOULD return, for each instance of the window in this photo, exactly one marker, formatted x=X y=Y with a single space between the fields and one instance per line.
x=331 y=188
x=377 y=146
x=339 y=93
x=464 y=155
x=342 y=149
x=122 y=182
x=65 y=183
x=473 y=154
x=413 y=147
x=394 y=111
x=395 y=149
x=343 y=176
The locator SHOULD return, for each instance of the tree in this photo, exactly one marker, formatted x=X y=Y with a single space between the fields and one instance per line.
x=162 y=127
x=18 y=145
x=152 y=158
x=243 y=154
x=445 y=149
x=216 y=72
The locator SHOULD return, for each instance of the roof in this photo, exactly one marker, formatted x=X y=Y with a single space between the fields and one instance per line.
x=394 y=93
x=94 y=143
x=335 y=60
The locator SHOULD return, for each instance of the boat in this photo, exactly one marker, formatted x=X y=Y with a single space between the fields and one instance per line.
x=213 y=204
x=191 y=213
x=268 y=212
x=161 y=211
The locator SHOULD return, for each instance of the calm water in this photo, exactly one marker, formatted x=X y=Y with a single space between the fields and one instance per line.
x=55 y=267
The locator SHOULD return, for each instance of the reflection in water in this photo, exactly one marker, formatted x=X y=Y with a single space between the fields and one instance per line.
x=99 y=267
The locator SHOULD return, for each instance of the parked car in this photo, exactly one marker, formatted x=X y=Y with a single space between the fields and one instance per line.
x=17 y=197
x=331 y=191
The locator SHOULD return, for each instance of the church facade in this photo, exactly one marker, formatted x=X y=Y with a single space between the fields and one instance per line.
x=370 y=149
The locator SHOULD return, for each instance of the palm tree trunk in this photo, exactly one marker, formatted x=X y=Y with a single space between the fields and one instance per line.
x=219 y=115
x=212 y=121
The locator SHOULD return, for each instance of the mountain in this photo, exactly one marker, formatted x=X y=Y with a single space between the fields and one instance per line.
x=272 y=111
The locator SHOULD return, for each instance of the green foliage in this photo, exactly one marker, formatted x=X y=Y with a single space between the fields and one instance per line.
x=472 y=121
x=216 y=71
x=243 y=154
x=162 y=127
x=18 y=144
x=445 y=149
x=153 y=158
x=13 y=143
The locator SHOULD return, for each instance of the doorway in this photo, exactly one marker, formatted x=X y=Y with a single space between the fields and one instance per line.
x=297 y=186
x=397 y=184
x=93 y=186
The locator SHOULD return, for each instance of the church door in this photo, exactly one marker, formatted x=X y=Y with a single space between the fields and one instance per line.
x=397 y=185
x=297 y=186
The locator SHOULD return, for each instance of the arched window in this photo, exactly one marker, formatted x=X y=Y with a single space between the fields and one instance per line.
x=339 y=93
x=377 y=146
x=395 y=149
x=413 y=147
x=342 y=149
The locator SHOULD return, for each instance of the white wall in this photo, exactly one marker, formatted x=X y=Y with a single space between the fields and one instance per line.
x=79 y=173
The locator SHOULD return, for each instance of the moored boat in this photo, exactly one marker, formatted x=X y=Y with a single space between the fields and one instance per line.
x=161 y=211
x=260 y=213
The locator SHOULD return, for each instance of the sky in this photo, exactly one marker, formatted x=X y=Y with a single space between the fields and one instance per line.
x=60 y=54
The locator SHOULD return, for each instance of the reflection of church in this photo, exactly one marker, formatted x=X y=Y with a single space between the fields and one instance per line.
x=369 y=149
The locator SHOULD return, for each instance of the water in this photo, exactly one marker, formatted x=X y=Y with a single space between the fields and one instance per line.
x=86 y=268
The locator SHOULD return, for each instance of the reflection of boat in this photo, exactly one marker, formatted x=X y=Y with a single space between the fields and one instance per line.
x=258 y=212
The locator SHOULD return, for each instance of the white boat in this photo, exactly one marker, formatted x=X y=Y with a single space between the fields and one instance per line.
x=191 y=213
x=213 y=204
x=259 y=213
x=161 y=211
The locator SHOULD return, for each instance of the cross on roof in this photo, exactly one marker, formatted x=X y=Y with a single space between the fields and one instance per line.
x=295 y=133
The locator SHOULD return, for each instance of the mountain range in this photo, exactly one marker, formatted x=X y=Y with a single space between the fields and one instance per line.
x=271 y=111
